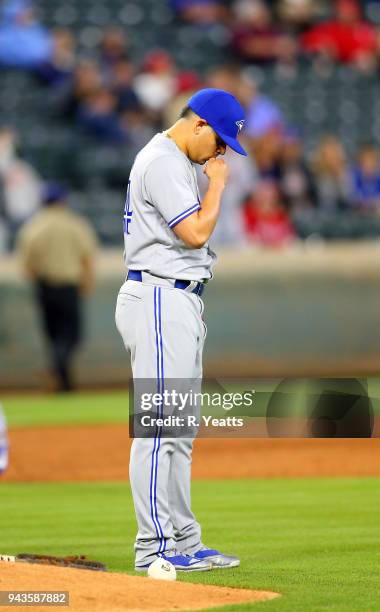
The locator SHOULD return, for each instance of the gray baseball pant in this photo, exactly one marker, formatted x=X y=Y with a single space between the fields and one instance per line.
x=163 y=330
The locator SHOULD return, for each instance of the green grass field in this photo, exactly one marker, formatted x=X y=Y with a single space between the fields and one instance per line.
x=316 y=541
x=76 y=409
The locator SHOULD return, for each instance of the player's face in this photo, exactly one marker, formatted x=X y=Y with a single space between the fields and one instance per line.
x=205 y=144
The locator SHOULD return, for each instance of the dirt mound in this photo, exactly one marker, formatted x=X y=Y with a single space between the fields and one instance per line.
x=101 y=452
x=111 y=592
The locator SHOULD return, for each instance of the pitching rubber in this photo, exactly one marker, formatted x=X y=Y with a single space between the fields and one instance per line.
x=8 y=558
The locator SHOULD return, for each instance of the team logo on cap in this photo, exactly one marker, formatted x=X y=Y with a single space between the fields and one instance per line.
x=240 y=125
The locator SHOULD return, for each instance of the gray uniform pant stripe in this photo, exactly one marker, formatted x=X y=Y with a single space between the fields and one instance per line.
x=163 y=331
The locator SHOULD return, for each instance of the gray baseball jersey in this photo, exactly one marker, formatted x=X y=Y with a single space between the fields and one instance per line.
x=162 y=191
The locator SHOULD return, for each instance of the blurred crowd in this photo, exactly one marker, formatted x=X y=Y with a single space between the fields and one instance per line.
x=120 y=102
x=259 y=31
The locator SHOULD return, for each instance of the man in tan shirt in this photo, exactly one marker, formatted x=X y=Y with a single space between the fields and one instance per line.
x=57 y=248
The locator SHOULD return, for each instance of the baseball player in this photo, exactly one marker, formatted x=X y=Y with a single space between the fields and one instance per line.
x=159 y=309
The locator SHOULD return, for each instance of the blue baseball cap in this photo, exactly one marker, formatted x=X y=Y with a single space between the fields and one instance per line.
x=222 y=112
x=53 y=192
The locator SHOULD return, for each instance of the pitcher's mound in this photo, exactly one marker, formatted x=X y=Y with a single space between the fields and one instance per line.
x=110 y=592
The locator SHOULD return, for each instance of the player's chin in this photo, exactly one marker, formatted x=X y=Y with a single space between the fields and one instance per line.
x=206 y=159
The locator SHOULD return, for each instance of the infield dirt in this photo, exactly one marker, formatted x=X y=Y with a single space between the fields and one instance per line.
x=101 y=453
x=98 y=591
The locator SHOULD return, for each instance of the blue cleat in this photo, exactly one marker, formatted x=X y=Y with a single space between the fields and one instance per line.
x=217 y=559
x=182 y=563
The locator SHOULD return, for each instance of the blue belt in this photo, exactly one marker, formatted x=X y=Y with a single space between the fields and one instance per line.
x=136 y=275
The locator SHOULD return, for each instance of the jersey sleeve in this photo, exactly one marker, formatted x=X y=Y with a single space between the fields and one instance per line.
x=168 y=187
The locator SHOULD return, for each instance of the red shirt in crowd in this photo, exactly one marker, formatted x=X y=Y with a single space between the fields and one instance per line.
x=343 y=41
x=267 y=227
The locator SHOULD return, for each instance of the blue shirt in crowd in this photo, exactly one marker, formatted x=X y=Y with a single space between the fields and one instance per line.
x=23 y=43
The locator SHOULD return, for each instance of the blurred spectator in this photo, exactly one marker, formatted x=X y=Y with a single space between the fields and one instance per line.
x=57 y=248
x=266 y=221
x=24 y=43
x=295 y=178
x=121 y=83
x=156 y=84
x=263 y=114
x=226 y=76
x=86 y=81
x=266 y=151
x=187 y=84
x=61 y=64
x=345 y=38
x=199 y=11
x=139 y=130
x=366 y=180
x=97 y=116
x=256 y=39
x=297 y=15
x=113 y=48
x=20 y=185
x=331 y=174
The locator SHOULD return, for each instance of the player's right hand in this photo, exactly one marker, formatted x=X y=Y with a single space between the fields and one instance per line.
x=217 y=169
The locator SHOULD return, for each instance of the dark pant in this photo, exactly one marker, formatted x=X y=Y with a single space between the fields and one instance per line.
x=60 y=308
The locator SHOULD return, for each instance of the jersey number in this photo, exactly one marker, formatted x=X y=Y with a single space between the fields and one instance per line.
x=127 y=210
